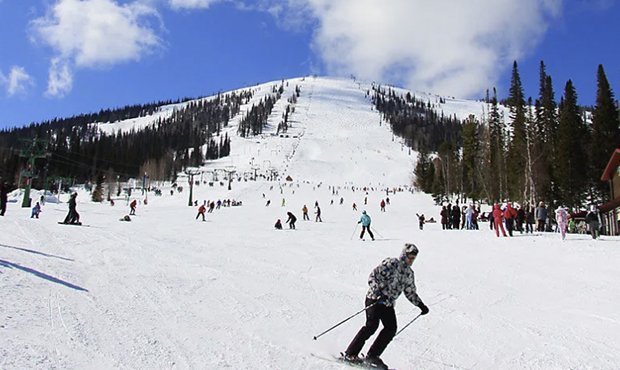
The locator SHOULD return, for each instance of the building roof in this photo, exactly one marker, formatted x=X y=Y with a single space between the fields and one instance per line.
x=614 y=161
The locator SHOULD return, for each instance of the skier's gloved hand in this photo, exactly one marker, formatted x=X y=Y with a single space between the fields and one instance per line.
x=423 y=308
x=382 y=300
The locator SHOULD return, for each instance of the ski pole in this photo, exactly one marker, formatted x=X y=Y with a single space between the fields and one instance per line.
x=410 y=322
x=354 y=230
x=378 y=233
x=345 y=320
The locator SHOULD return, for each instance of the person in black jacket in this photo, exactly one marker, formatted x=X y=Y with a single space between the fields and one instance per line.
x=4 y=191
x=593 y=221
x=73 y=217
x=291 y=220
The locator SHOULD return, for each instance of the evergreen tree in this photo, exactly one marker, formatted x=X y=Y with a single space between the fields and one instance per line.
x=533 y=156
x=470 y=157
x=424 y=173
x=97 y=195
x=495 y=165
x=571 y=150
x=545 y=135
x=605 y=130
x=438 y=189
x=515 y=166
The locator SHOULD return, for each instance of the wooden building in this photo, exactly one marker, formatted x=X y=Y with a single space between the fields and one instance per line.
x=610 y=211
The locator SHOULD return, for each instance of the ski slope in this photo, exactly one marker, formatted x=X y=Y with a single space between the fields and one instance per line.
x=167 y=291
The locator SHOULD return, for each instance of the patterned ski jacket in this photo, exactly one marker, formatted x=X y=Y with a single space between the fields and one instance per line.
x=392 y=277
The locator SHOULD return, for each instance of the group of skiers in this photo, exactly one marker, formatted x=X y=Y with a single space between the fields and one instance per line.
x=208 y=206
x=508 y=218
x=453 y=218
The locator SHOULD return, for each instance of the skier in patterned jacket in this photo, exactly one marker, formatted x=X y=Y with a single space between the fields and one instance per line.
x=386 y=282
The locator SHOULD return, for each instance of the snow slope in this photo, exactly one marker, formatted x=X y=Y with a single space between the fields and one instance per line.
x=166 y=291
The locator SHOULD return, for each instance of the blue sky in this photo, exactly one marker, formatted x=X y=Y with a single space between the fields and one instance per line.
x=64 y=57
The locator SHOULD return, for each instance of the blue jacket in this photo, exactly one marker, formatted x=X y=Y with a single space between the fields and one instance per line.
x=365 y=220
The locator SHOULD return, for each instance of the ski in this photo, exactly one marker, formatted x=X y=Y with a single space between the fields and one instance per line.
x=341 y=360
x=75 y=224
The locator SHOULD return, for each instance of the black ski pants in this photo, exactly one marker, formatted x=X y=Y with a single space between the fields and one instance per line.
x=364 y=229
x=509 y=225
x=374 y=314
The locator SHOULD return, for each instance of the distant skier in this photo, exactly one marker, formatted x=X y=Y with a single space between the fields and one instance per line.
x=73 y=217
x=541 y=216
x=133 y=205
x=592 y=218
x=36 y=210
x=561 y=217
x=305 y=212
x=444 y=218
x=4 y=192
x=201 y=212
x=365 y=221
x=382 y=204
x=421 y=220
x=497 y=220
x=354 y=206
x=291 y=220
x=278 y=225
x=386 y=283
x=509 y=216
x=318 y=214
x=529 y=220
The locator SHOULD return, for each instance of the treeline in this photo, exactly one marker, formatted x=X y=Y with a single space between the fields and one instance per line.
x=290 y=109
x=78 y=150
x=256 y=119
x=415 y=120
x=544 y=151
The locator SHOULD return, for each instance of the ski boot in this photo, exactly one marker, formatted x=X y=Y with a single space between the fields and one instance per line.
x=375 y=362
x=352 y=359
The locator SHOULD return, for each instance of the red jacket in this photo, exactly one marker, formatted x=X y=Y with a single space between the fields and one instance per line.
x=509 y=212
x=497 y=213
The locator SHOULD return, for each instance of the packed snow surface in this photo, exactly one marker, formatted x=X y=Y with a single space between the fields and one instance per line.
x=168 y=291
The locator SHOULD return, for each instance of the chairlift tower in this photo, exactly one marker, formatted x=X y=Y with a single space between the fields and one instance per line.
x=33 y=149
x=230 y=171
x=190 y=176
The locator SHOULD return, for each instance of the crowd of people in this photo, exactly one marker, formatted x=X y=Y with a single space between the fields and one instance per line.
x=509 y=218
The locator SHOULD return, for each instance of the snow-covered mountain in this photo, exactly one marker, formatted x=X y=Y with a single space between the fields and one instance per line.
x=329 y=111
x=169 y=291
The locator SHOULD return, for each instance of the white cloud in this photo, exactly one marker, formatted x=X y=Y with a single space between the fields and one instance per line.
x=94 y=33
x=191 y=4
x=60 y=78
x=450 y=47
x=17 y=82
